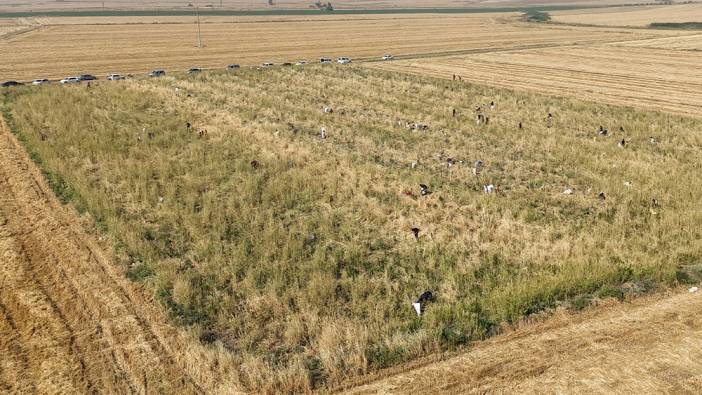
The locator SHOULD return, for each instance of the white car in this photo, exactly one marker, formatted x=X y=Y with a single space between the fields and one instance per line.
x=344 y=60
x=388 y=57
x=41 y=81
x=267 y=64
x=301 y=63
x=70 y=80
x=115 y=77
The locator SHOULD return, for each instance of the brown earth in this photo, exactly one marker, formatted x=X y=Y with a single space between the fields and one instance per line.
x=651 y=345
x=69 y=323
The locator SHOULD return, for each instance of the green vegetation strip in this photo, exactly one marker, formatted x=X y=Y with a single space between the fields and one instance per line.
x=295 y=253
x=680 y=25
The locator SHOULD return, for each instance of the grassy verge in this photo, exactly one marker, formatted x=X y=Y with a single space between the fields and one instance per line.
x=680 y=25
x=294 y=253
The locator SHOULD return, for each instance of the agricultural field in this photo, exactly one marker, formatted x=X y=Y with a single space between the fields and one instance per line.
x=57 y=51
x=53 y=5
x=292 y=257
x=692 y=42
x=621 y=74
x=635 y=16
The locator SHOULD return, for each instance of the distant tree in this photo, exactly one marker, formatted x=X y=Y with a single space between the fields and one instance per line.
x=536 y=16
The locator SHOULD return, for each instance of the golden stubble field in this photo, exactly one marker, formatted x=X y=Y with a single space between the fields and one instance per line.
x=651 y=78
x=639 y=16
x=57 y=51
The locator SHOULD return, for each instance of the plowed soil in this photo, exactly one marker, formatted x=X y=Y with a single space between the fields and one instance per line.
x=68 y=322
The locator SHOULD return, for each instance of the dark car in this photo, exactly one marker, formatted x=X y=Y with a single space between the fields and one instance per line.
x=87 y=77
x=287 y=64
x=194 y=70
x=157 y=73
x=10 y=83
x=233 y=66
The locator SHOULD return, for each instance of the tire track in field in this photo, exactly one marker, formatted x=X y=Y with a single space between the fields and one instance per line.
x=68 y=323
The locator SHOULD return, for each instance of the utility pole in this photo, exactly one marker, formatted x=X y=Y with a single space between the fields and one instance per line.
x=199 y=33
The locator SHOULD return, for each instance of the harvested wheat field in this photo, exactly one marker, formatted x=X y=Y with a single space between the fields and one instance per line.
x=287 y=242
x=640 y=16
x=619 y=74
x=57 y=51
x=649 y=346
x=691 y=42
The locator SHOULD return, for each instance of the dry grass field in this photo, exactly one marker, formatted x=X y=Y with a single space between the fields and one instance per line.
x=56 y=51
x=43 y=5
x=291 y=257
x=616 y=74
x=631 y=16
x=647 y=347
x=261 y=256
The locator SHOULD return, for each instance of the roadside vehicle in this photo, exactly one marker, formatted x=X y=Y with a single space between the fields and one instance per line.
x=115 y=77
x=70 y=80
x=41 y=81
x=287 y=64
x=388 y=57
x=233 y=66
x=267 y=64
x=157 y=73
x=344 y=60
x=7 y=84
x=87 y=77
x=325 y=60
x=301 y=63
x=194 y=70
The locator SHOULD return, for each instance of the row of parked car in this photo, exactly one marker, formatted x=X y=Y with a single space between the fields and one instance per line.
x=158 y=73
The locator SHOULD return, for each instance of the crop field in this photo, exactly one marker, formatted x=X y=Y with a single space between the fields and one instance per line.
x=292 y=257
x=44 y=5
x=625 y=75
x=56 y=51
x=640 y=16
x=692 y=42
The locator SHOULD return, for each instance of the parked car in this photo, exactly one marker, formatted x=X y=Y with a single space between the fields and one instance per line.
x=233 y=66
x=388 y=57
x=287 y=64
x=70 y=80
x=267 y=64
x=115 y=77
x=325 y=60
x=301 y=63
x=10 y=83
x=40 y=81
x=194 y=70
x=344 y=60
x=87 y=77
x=157 y=73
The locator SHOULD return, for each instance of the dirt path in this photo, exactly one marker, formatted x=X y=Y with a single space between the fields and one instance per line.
x=648 y=346
x=69 y=323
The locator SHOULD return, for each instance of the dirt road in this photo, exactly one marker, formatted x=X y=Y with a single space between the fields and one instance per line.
x=648 y=346
x=69 y=323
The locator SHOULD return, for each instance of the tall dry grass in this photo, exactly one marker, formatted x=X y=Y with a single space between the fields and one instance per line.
x=299 y=272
